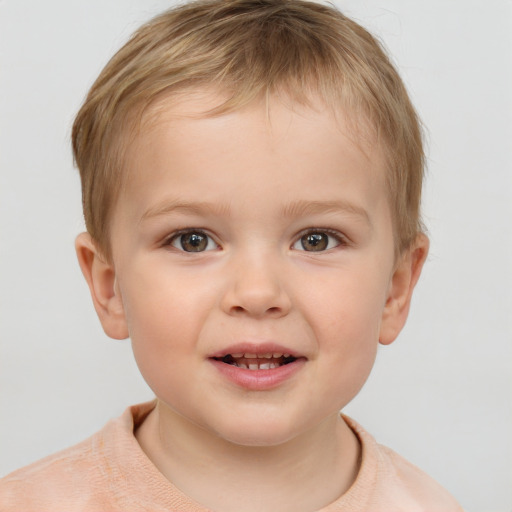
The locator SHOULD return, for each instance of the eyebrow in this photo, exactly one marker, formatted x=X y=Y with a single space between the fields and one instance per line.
x=195 y=208
x=293 y=209
x=301 y=208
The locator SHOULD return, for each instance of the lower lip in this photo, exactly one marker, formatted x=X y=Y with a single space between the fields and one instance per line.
x=258 y=380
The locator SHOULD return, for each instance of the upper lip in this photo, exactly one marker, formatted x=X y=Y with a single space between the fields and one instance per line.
x=255 y=348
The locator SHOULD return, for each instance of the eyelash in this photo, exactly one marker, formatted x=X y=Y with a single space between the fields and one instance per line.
x=177 y=236
x=340 y=240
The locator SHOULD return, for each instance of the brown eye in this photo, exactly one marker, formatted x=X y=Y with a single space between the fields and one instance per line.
x=317 y=241
x=193 y=241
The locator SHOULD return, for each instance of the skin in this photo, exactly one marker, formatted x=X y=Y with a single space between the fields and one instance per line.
x=254 y=183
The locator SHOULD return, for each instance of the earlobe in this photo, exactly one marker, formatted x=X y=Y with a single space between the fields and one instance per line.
x=403 y=281
x=101 y=278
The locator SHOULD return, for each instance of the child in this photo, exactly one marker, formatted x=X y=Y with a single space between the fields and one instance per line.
x=251 y=175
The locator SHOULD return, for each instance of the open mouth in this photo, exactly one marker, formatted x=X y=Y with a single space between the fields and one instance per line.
x=267 y=361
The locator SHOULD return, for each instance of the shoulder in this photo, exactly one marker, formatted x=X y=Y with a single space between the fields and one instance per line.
x=390 y=482
x=414 y=484
x=59 y=478
x=78 y=478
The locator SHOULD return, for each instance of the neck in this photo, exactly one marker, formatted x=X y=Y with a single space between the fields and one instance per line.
x=303 y=474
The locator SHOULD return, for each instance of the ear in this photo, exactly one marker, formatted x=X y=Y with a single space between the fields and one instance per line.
x=405 y=276
x=101 y=278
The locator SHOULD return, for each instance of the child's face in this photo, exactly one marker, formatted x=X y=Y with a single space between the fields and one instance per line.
x=243 y=234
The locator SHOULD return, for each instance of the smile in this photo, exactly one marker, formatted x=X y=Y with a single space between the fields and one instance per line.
x=257 y=366
x=267 y=361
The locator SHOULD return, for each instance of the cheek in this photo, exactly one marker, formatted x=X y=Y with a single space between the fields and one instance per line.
x=164 y=314
x=159 y=298
x=345 y=315
x=347 y=308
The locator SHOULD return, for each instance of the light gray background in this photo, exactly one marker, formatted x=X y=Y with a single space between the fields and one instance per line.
x=441 y=395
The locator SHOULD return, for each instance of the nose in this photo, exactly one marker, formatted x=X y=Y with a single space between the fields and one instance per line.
x=256 y=289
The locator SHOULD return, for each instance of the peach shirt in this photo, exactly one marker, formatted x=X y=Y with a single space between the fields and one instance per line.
x=110 y=472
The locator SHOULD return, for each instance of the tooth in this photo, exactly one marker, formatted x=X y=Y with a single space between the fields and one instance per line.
x=273 y=365
x=253 y=366
x=286 y=355
x=250 y=356
x=277 y=356
x=237 y=356
x=266 y=356
x=241 y=365
x=265 y=366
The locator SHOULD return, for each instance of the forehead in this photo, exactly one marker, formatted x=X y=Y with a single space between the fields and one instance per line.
x=273 y=114
x=179 y=136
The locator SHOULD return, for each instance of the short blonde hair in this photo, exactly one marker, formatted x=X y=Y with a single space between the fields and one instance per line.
x=248 y=49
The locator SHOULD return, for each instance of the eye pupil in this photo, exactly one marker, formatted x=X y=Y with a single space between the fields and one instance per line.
x=315 y=241
x=194 y=242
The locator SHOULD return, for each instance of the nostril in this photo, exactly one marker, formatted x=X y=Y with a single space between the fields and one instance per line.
x=272 y=311
x=255 y=298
